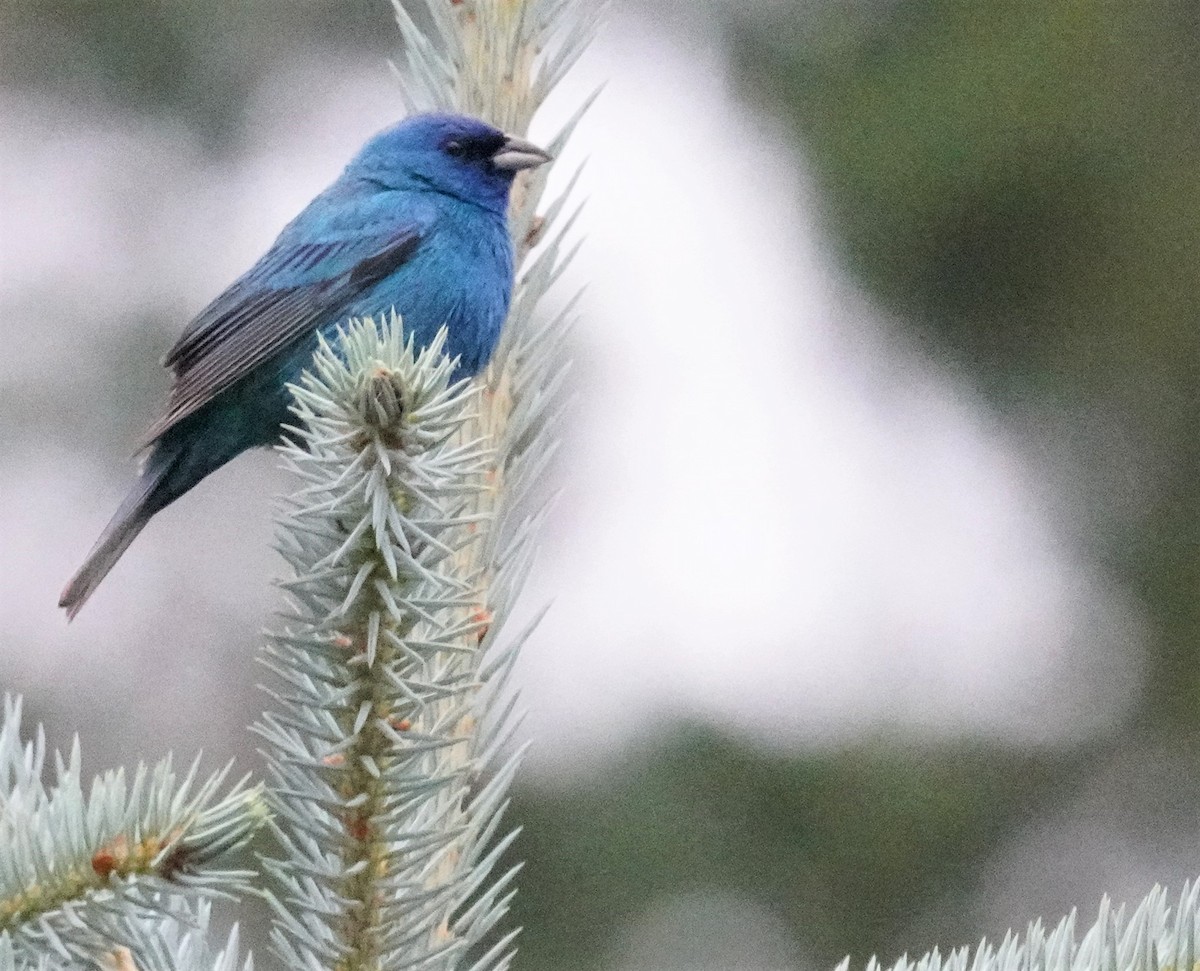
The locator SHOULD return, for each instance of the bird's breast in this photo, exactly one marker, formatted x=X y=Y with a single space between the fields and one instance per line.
x=460 y=276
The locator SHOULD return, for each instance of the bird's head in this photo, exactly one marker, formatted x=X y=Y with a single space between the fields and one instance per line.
x=451 y=154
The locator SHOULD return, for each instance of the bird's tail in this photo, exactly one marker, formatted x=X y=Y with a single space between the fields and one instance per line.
x=148 y=495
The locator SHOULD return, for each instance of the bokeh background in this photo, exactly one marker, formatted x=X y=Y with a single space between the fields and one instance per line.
x=875 y=559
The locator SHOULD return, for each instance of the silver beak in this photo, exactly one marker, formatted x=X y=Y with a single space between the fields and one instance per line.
x=516 y=154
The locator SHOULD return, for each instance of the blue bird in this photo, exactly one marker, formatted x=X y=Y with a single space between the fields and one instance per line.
x=416 y=222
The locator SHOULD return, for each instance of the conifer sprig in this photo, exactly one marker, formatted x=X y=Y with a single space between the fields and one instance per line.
x=374 y=743
x=1151 y=938
x=77 y=869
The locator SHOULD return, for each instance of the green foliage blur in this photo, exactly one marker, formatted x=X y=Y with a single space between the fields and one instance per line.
x=1018 y=179
x=844 y=849
x=1020 y=183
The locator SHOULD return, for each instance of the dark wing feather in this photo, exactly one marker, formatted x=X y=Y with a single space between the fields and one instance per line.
x=287 y=295
x=368 y=272
x=281 y=271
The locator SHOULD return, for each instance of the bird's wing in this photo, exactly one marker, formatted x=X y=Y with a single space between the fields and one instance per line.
x=293 y=289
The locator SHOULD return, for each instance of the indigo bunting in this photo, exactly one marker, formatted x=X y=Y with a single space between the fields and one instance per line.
x=417 y=223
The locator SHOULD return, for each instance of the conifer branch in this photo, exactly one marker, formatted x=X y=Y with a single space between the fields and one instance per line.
x=1152 y=938
x=373 y=741
x=77 y=869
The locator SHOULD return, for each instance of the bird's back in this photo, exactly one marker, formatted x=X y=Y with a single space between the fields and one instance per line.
x=355 y=251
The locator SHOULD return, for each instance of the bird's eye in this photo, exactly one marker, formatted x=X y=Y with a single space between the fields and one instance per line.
x=457 y=149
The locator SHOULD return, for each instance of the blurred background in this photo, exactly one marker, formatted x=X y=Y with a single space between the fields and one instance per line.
x=875 y=562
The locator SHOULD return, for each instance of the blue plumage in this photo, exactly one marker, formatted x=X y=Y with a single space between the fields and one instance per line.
x=416 y=222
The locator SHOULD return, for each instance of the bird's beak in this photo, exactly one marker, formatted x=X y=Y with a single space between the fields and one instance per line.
x=516 y=154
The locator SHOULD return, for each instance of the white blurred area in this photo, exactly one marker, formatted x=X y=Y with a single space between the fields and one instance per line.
x=774 y=517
